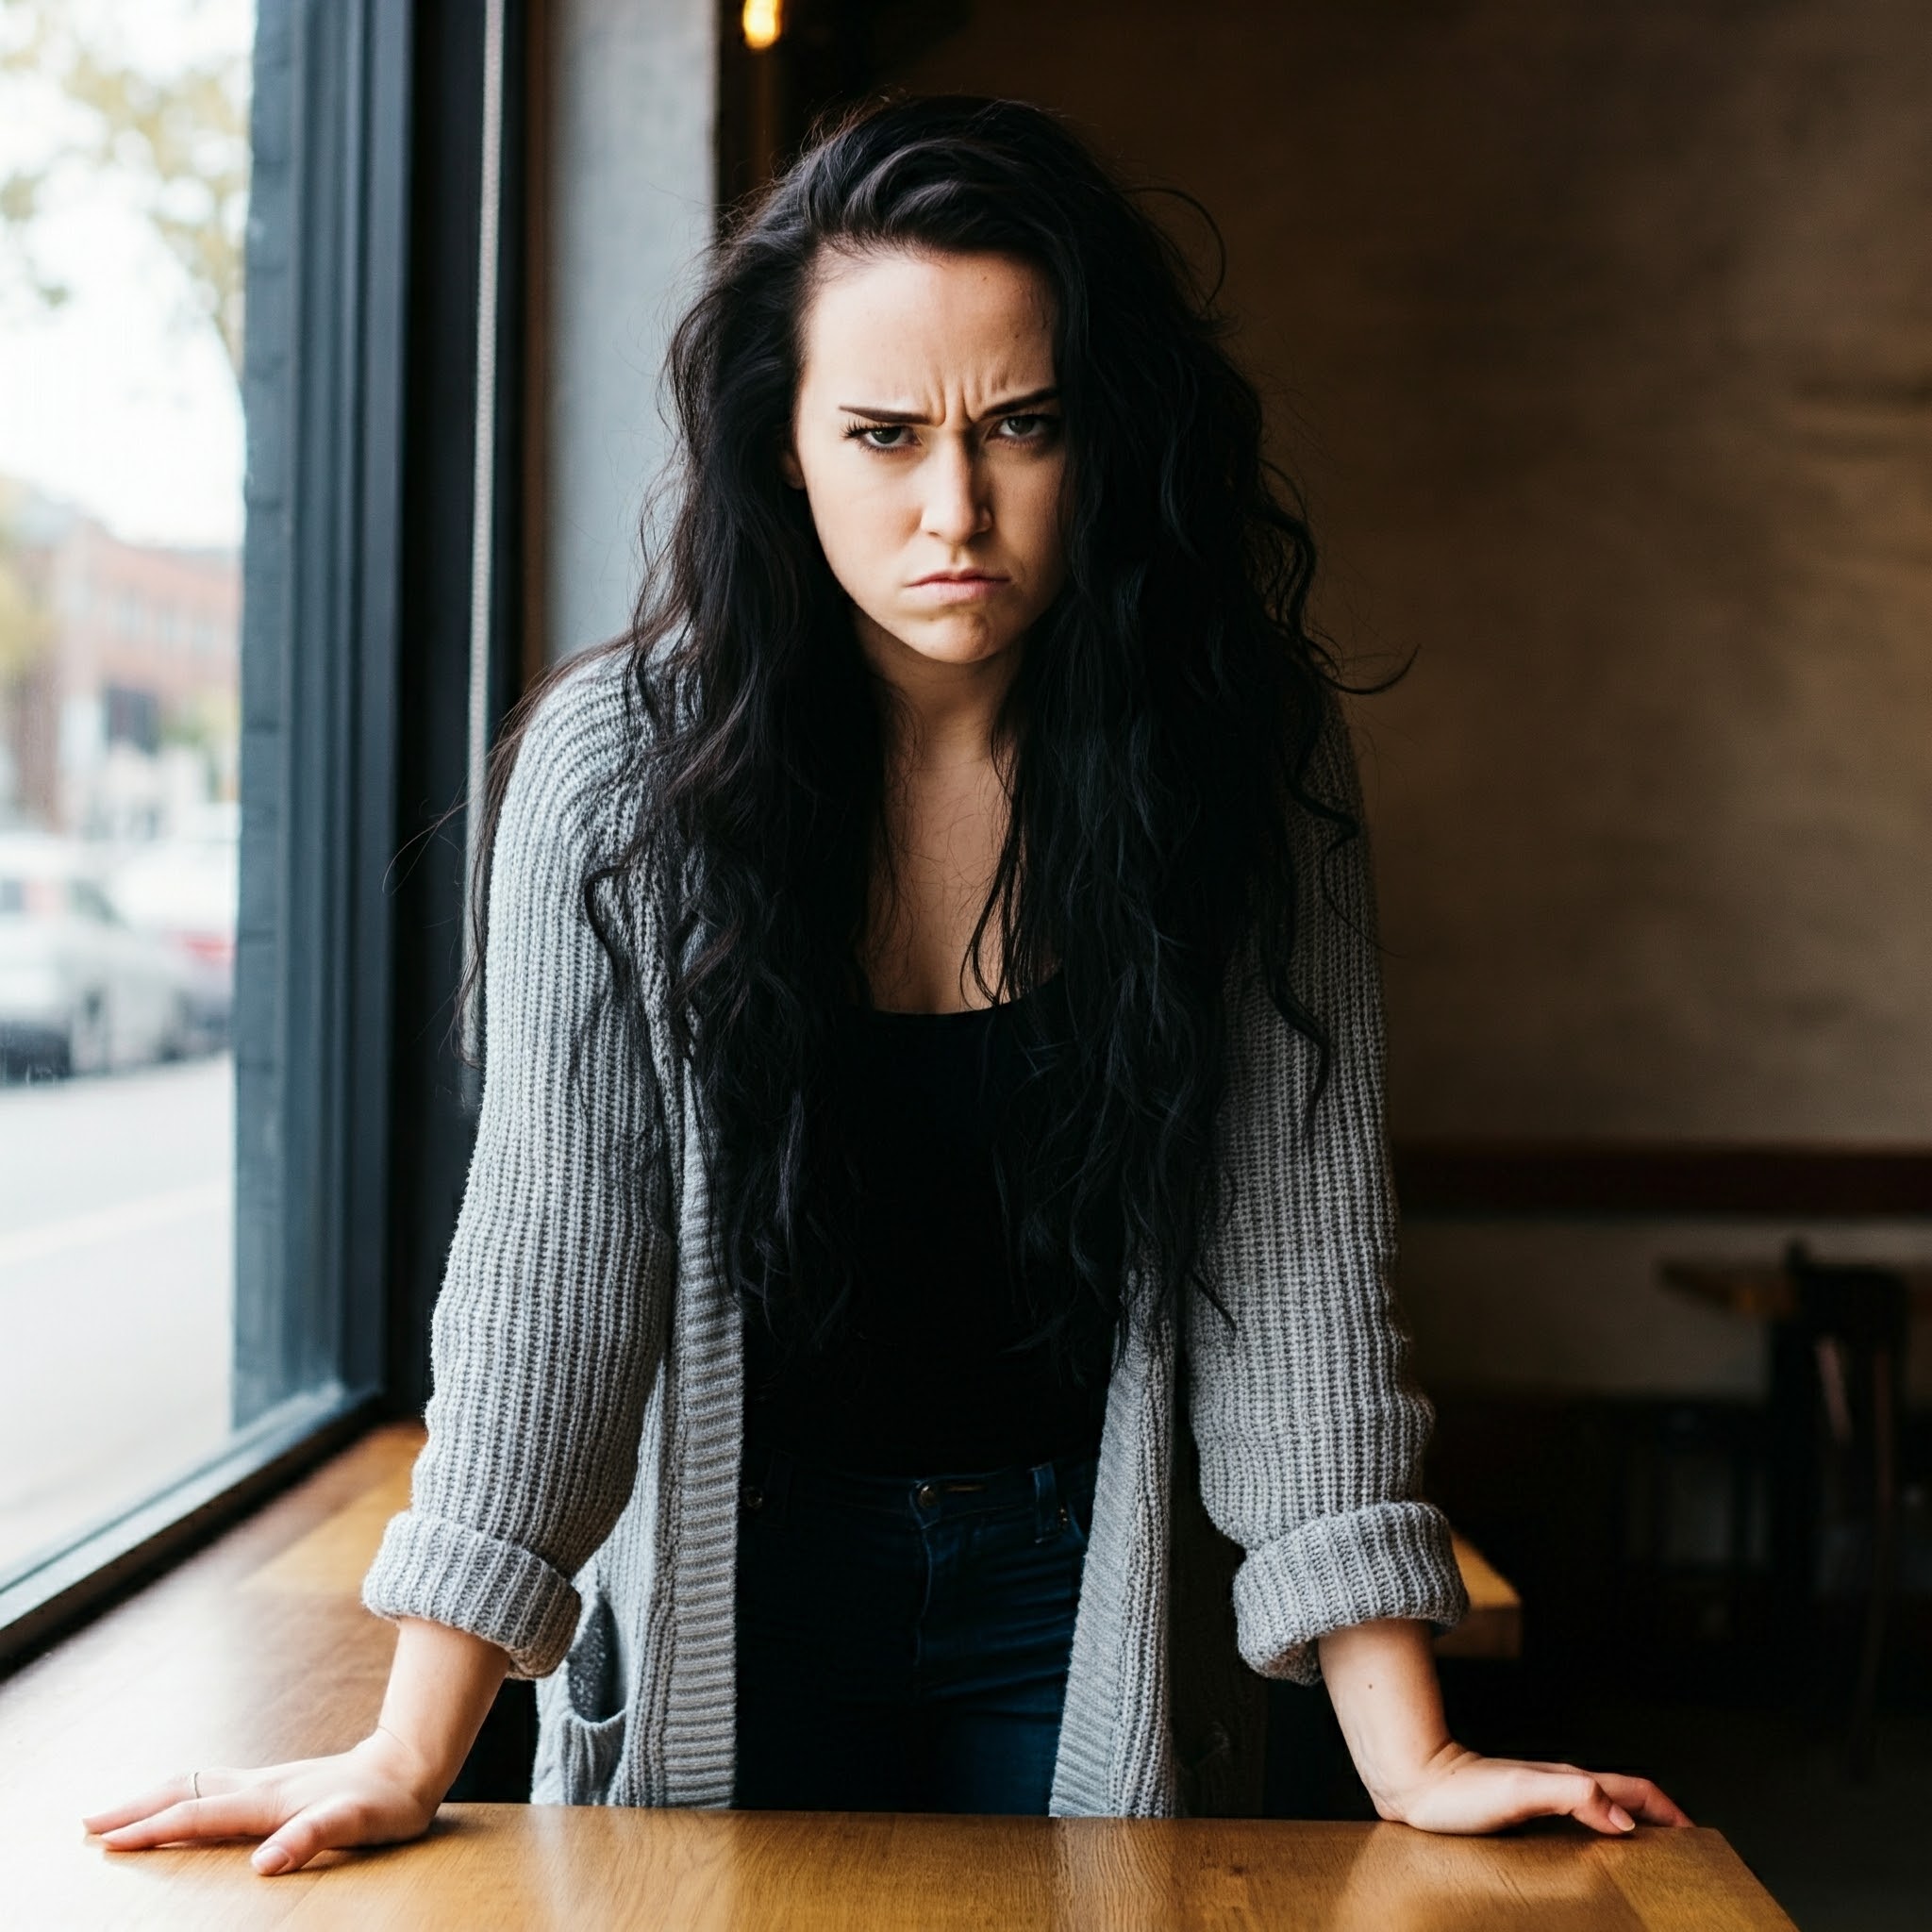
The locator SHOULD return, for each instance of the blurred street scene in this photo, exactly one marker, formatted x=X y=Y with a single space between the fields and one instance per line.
x=124 y=169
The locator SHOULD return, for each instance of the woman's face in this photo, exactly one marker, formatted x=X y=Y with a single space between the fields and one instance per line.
x=926 y=436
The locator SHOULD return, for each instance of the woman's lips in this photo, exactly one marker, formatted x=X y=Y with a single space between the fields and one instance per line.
x=960 y=587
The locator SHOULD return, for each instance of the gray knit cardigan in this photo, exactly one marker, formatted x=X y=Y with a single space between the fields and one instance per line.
x=576 y=1501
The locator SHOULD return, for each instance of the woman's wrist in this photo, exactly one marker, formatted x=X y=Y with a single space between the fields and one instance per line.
x=406 y=1763
x=1394 y=1787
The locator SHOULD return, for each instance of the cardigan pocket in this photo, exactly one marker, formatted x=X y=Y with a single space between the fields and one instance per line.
x=593 y=1713
x=587 y=1755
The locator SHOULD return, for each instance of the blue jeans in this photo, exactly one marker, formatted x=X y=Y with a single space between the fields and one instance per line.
x=903 y=1641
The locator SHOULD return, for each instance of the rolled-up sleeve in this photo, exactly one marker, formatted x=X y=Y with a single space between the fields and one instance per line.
x=548 y=1329
x=1309 y=1428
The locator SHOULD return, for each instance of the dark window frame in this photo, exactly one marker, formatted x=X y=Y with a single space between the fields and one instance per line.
x=353 y=1119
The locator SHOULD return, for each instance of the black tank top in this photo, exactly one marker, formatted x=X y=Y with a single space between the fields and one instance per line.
x=926 y=1373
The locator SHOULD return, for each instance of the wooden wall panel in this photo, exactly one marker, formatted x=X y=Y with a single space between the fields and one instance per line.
x=1604 y=339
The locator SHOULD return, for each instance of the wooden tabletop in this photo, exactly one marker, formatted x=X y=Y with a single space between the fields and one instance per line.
x=524 y=1866
x=256 y=1650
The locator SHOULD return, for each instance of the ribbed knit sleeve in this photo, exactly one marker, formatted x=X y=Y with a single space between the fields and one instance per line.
x=548 y=1329
x=1310 y=1431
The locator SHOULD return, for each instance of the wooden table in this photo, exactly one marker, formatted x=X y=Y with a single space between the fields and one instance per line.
x=1494 y=1627
x=256 y=1650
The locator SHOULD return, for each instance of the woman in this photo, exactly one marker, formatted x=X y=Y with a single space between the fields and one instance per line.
x=930 y=1196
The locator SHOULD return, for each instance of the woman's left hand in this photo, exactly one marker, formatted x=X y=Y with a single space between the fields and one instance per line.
x=1381 y=1677
x=1459 y=1790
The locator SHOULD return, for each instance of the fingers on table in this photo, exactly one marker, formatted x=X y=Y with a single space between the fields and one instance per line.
x=1608 y=1800
x=1642 y=1799
x=1561 y=1791
x=236 y=1814
x=143 y=1805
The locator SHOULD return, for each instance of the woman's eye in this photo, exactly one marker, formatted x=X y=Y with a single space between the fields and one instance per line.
x=878 y=435
x=1032 y=429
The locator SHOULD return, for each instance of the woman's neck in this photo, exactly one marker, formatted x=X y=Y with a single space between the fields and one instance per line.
x=941 y=714
x=945 y=821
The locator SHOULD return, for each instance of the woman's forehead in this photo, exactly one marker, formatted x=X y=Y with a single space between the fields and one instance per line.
x=912 y=327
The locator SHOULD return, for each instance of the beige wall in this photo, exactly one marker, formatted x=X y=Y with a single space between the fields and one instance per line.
x=1602 y=338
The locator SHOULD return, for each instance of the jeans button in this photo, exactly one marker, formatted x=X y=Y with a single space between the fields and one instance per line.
x=925 y=1495
x=753 y=1497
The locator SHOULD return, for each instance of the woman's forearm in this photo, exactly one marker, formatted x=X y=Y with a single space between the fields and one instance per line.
x=442 y=1683
x=1381 y=1680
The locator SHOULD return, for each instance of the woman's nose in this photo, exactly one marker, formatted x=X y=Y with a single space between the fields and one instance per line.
x=957 y=503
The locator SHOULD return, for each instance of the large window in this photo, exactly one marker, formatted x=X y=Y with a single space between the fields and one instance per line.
x=241 y=258
x=123 y=193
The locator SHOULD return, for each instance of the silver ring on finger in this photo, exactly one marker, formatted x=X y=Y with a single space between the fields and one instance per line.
x=194 y=1779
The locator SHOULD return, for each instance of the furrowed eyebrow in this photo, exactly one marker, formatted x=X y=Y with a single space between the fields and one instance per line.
x=912 y=419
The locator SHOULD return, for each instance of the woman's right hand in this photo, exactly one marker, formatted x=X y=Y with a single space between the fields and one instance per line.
x=377 y=1792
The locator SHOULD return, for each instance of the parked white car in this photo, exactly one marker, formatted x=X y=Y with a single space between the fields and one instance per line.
x=80 y=989
x=182 y=892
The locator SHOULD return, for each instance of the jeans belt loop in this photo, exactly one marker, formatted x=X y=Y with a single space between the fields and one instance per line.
x=1047 y=1501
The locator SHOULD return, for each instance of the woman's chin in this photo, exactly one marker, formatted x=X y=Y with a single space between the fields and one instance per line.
x=956 y=641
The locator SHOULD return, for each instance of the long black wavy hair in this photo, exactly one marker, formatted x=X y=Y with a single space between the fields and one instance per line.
x=1157 y=737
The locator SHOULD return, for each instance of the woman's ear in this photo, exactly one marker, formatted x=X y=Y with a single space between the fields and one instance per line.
x=788 y=466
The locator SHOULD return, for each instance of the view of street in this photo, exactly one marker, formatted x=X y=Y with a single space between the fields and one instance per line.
x=115 y=1291
x=124 y=178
